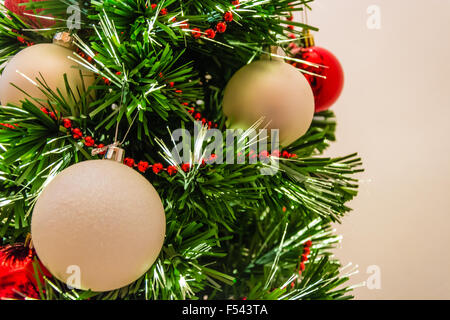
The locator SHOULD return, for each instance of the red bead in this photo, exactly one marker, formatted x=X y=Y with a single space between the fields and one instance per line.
x=276 y=153
x=210 y=33
x=186 y=167
x=7 y=125
x=143 y=166
x=302 y=266
x=172 y=84
x=308 y=243
x=67 y=123
x=164 y=11
x=153 y=6
x=228 y=16
x=77 y=134
x=326 y=90
x=212 y=159
x=157 y=168
x=236 y=3
x=263 y=155
x=89 y=141
x=196 y=33
x=129 y=162
x=306 y=250
x=221 y=27
x=44 y=110
x=53 y=116
x=285 y=154
x=100 y=146
x=303 y=258
x=171 y=170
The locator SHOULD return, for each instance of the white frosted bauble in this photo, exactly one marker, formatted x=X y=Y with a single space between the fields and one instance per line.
x=49 y=60
x=274 y=90
x=102 y=218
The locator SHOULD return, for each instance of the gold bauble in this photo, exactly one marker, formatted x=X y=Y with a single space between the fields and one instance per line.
x=100 y=224
x=274 y=90
x=49 y=60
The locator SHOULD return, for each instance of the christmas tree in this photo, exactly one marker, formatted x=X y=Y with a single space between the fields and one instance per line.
x=83 y=81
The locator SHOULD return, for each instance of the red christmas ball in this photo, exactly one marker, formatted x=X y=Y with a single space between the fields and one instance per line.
x=17 y=276
x=326 y=90
x=13 y=6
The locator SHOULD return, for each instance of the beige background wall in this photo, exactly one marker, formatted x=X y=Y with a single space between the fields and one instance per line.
x=395 y=111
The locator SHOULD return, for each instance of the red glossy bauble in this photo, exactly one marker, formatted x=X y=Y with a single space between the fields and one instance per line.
x=13 y=5
x=17 y=276
x=326 y=91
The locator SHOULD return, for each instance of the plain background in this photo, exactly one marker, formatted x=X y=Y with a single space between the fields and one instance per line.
x=394 y=111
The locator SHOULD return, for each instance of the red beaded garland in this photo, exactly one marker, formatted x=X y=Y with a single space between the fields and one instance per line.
x=157 y=168
x=221 y=26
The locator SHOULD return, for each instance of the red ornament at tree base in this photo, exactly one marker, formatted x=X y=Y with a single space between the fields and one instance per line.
x=14 y=6
x=328 y=87
x=17 y=275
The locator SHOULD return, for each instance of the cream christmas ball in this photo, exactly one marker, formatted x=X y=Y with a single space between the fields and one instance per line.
x=274 y=90
x=46 y=59
x=98 y=225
